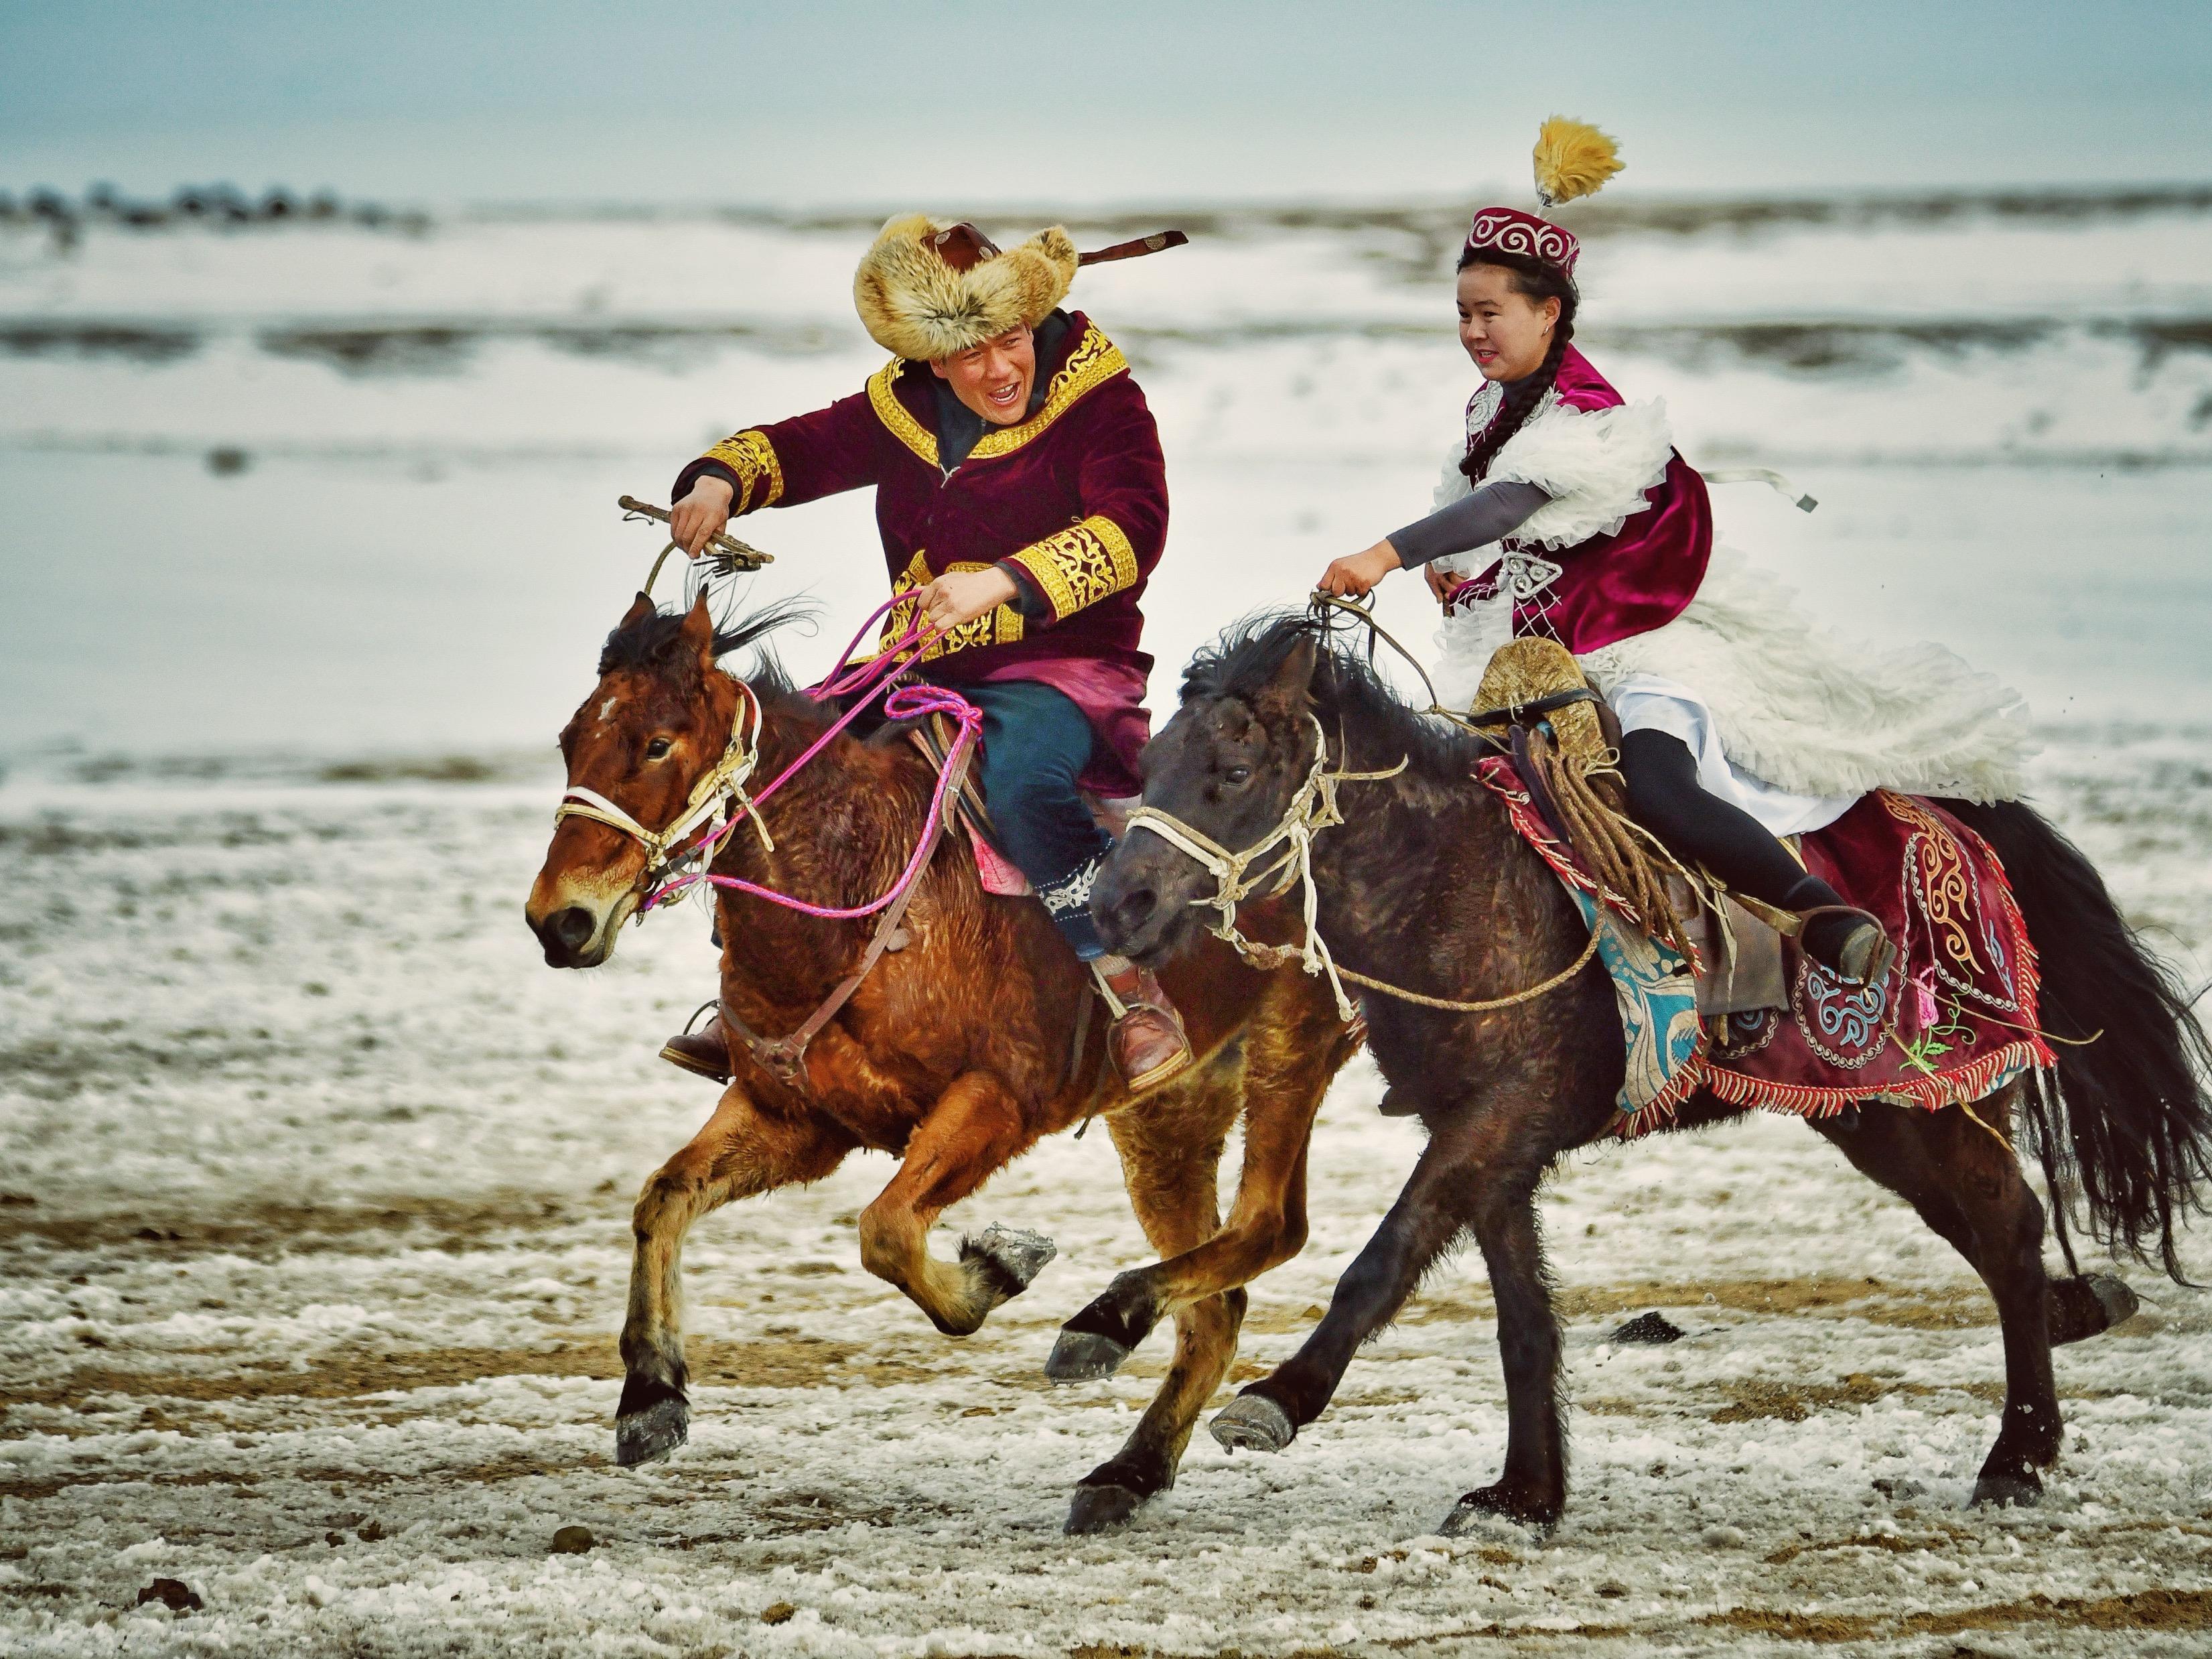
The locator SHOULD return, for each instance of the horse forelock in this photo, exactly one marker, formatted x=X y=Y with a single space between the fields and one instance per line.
x=1346 y=693
x=650 y=642
x=1247 y=656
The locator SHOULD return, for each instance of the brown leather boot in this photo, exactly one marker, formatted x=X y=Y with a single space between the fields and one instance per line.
x=703 y=1053
x=1146 y=1040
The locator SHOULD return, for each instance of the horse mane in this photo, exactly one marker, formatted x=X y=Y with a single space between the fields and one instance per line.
x=1346 y=689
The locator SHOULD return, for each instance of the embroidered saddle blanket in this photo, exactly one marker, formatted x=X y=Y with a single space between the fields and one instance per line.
x=1954 y=1018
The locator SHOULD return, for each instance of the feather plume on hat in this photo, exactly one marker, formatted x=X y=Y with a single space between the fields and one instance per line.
x=1572 y=159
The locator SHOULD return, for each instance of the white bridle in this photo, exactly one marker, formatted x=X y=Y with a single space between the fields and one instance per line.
x=719 y=793
x=1312 y=809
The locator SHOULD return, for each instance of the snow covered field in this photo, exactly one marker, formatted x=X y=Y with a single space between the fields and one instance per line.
x=313 y=1185
x=314 y=1179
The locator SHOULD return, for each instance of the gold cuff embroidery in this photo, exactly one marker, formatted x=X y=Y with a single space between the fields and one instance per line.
x=1001 y=626
x=1081 y=565
x=752 y=458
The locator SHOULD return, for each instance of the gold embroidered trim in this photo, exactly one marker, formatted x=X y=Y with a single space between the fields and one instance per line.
x=1081 y=565
x=1095 y=361
x=894 y=415
x=752 y=458
x=1002 y=625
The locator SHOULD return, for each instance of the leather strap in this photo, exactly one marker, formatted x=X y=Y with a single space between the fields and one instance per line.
x=1516 y=712
x=1158 y=242
x=1533 y=780
x=784 y=1058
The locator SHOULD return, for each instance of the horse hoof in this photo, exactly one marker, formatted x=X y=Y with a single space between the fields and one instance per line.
x=1008 y=1257
x=648 y=1436
x=1488 y=1504
x=1095 y=1509
x=2114 y=1296
x=1252 y=1422
x=2008 y=1491
x=1084 y=1357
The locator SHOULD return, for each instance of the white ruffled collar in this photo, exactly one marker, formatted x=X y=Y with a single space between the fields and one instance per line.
x=1482 y=408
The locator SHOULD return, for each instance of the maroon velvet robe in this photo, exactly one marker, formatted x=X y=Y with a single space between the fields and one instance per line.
x=1072 y=500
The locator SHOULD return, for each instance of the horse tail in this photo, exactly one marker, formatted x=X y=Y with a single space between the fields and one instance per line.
x=2127 y=1116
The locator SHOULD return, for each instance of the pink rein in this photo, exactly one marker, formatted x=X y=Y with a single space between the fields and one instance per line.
x=871 y=678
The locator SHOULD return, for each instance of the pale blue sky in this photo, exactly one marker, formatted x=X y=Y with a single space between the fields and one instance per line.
x=843 y=101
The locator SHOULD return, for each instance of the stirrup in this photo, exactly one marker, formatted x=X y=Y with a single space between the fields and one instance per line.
x=1124 y=1011
x=676 y=1053
x=1877 y=958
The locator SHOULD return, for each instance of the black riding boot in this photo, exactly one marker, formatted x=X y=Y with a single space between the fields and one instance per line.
x=1664 y=794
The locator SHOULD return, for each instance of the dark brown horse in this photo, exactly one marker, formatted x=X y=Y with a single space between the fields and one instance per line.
x=1427 y=881
x=956 y=1054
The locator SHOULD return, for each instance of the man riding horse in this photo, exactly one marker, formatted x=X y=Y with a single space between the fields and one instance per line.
x=1022 y=500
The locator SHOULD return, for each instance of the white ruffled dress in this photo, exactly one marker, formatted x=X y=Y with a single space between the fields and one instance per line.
x=1785 y=722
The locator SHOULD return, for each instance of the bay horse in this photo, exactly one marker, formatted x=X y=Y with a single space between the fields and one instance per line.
x=1427 y=879
x=956 y=1053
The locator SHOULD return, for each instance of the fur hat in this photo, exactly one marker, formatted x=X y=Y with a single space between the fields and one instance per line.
x=917 y=303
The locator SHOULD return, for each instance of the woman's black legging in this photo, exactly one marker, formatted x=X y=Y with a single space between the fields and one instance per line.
x=1666 y=799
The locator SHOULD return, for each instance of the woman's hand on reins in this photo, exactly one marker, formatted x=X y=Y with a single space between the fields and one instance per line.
x=1441 y=581
x=961 y=596
x=1349 y=578
x=700 y=515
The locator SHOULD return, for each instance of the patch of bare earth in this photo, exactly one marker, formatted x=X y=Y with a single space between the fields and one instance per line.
x=265 y=1229
x=2161 y=1610
x=765 y=1362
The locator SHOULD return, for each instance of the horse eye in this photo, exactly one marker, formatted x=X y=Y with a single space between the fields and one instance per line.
x=658 y=749
x=1238 y=774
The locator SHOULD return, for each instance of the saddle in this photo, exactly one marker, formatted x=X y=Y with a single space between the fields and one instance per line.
x=1538 y=705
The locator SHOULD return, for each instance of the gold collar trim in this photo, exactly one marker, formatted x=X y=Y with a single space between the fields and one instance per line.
x=1095 y=361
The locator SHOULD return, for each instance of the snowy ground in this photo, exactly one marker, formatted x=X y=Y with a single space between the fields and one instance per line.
x=314 y=1181
x=313 y=1193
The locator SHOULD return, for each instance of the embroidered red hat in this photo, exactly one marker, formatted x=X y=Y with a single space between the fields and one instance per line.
x=1509 y=230
x=1571 y=158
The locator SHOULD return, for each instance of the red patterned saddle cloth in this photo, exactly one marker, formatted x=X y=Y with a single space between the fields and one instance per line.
x=1952 y=1019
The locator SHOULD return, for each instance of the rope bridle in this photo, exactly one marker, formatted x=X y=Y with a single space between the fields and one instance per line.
x=1312 y=809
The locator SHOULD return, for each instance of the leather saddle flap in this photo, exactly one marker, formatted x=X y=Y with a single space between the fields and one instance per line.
x=1743 y=964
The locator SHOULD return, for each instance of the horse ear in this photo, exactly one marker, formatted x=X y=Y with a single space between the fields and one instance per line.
x=1288 y=692
x=640 y=608
x=699 y=628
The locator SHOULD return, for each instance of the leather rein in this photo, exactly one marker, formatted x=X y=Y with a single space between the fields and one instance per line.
x=785 y=1057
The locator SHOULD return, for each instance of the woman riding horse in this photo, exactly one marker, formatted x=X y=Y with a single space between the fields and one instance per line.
x=1022 y=501
x=1585 y=526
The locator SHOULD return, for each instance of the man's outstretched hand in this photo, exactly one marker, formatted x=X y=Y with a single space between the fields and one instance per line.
x=700 y=516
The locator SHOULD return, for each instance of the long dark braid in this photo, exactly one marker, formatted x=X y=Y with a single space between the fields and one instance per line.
x=1535 y=280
